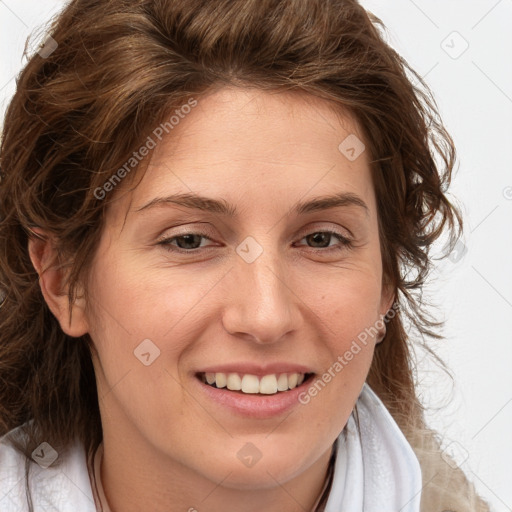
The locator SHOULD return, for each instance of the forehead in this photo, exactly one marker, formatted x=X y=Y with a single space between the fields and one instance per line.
x=244 y=145
x=255 y=124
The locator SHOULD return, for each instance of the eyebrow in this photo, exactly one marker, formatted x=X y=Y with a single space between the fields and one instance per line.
x=220 y=206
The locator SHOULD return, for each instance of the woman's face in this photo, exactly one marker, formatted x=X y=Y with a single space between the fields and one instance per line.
x=227 y=263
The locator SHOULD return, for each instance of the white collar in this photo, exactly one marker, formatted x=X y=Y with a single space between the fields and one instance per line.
x=376 y=469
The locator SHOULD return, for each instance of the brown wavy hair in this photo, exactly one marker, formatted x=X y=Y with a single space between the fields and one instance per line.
x=119 y=68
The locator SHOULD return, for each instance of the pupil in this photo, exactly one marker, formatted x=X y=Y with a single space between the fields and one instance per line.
x=189 y=241
x=321 y=238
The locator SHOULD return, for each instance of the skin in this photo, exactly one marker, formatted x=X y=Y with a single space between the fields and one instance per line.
x=164 y=443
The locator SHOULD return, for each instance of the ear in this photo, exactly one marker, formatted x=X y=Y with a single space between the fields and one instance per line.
x=387 y=299
x=43 y=253
x=386 y=303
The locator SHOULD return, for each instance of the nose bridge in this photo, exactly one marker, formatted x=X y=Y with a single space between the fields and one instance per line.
x=261 y=305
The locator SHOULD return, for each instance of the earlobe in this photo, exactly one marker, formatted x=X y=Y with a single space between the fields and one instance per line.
x=52 y=273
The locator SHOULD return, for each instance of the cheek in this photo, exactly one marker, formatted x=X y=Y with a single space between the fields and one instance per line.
x=139 y=331
x=350 y=306
x=144 y=323
x=147 y=302
x=349 y=311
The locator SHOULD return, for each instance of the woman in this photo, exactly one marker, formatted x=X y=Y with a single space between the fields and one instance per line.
x=215 y=220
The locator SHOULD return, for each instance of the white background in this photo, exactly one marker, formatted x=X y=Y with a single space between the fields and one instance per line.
x=474 y=92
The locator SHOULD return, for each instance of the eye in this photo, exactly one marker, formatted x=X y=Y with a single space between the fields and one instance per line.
x=193 y=242
x=187 y=242
x=323 y=239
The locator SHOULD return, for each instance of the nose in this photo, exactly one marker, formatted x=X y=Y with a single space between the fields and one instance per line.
x=260 y=303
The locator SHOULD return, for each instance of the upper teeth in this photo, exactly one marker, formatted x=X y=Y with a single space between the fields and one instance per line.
x=267 y=385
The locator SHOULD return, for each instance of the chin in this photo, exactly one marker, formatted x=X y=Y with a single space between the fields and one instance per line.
x=260 y=477
x=249 y=468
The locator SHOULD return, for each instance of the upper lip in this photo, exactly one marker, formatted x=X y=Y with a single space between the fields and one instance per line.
x=245 y=368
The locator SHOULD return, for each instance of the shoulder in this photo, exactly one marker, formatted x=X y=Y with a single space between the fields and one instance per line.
x=56 y=481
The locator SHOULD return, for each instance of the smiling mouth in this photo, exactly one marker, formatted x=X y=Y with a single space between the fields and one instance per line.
x=270 y=384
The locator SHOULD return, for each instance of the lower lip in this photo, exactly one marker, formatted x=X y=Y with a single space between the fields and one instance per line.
x=255 y=405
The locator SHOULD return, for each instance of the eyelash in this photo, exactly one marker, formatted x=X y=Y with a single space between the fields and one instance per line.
x=345 y=243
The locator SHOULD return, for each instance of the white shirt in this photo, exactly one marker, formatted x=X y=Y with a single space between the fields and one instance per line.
x=376 y=470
